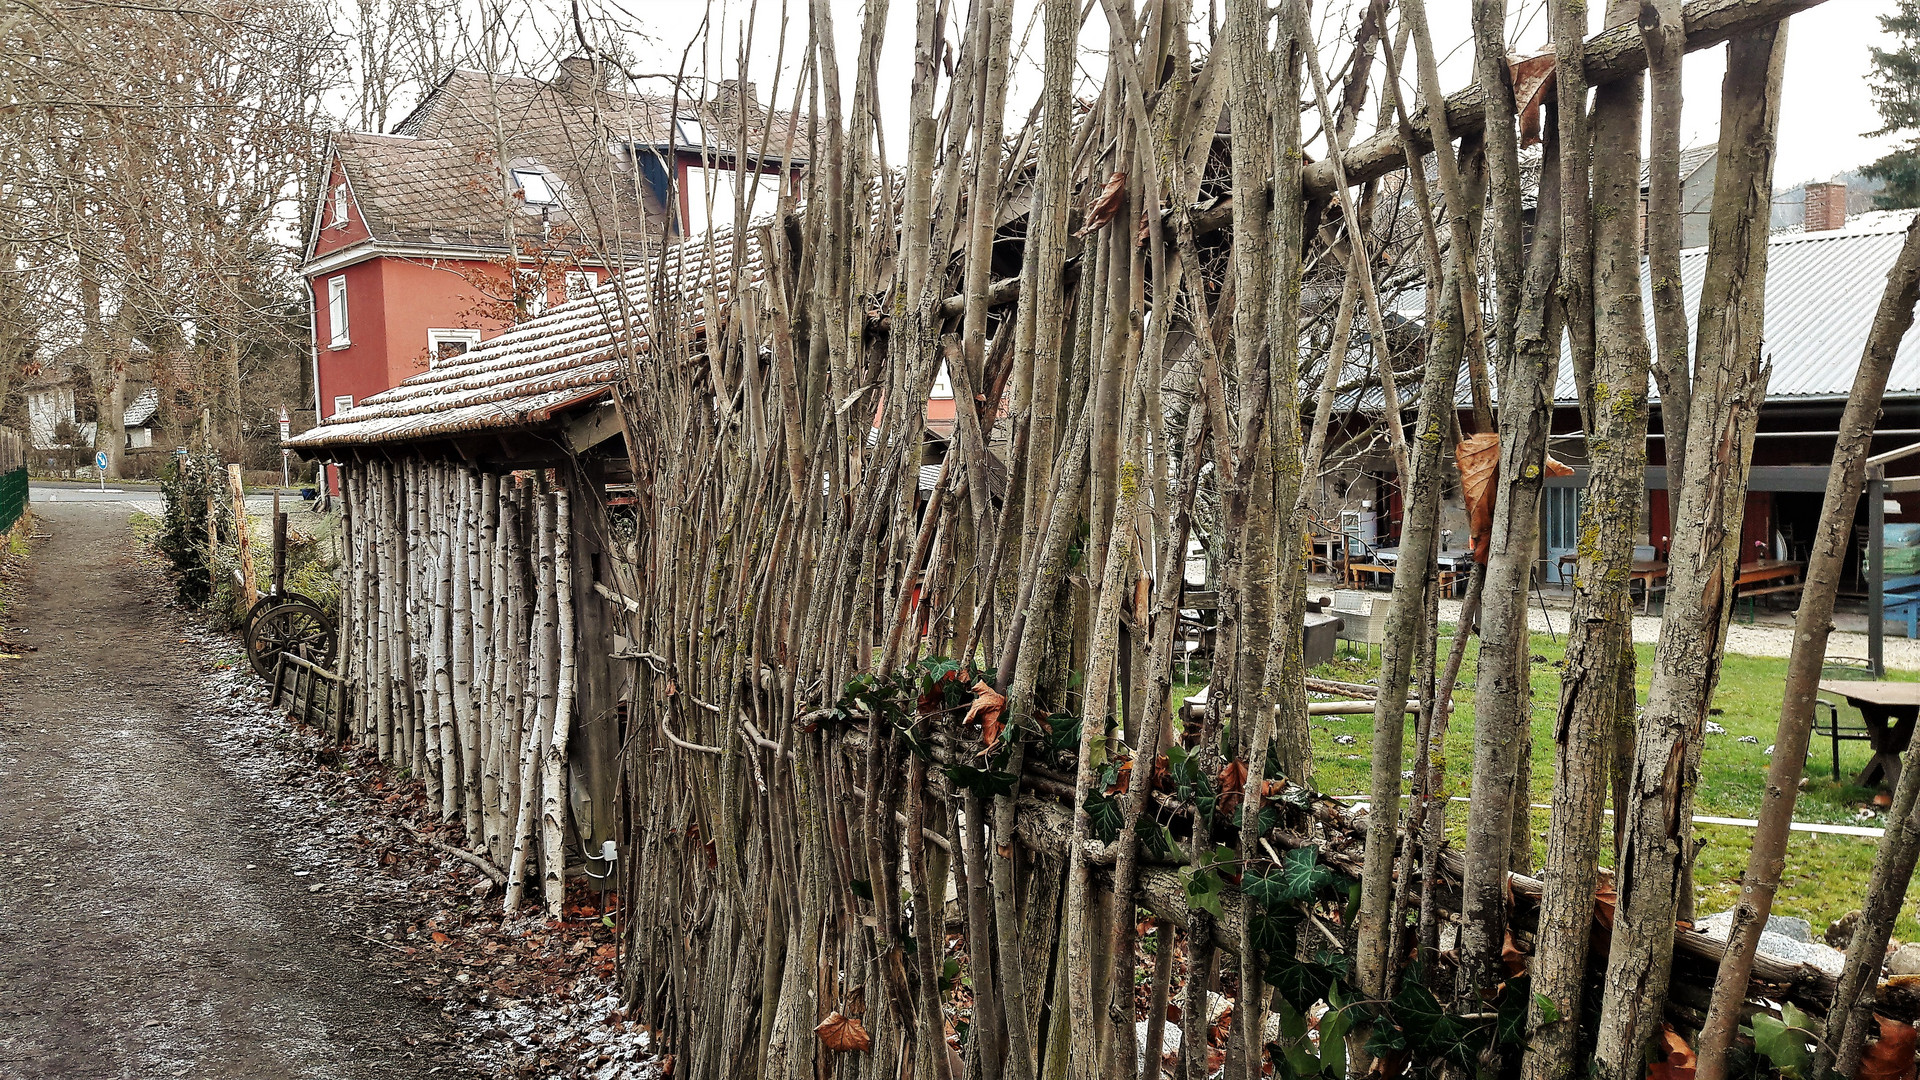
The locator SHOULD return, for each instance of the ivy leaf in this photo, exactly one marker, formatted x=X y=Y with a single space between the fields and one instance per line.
x=1294 y=1043
x=1063 y=733
x=1265 y=884
x=1299 y=982
x=1333 y=1041
x=1512 y=1030
x=1337 y=962
x=1302 y=876
x=1203 y=889
x=1276 y=933
x=1549 y=1012
x=1104 y=817
x=984 y=782
x=1155 y=838
x=1783 y=1045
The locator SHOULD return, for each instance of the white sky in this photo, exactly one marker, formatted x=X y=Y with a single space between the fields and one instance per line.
x=1826 y=111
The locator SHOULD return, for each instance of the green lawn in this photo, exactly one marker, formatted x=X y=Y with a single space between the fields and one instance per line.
x=1826 y=875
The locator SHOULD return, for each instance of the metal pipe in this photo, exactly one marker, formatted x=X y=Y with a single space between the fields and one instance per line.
x=1876 y=566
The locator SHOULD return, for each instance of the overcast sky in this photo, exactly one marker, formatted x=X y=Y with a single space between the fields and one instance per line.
x=1826 y=113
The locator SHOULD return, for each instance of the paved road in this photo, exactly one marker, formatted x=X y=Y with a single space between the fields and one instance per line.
x=145 y=929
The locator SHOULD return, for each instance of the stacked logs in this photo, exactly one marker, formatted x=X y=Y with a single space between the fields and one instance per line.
x=459 y=643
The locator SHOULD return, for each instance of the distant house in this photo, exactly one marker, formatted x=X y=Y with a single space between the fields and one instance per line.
x=428 y=240
x=141 y=417
x=1698 y=166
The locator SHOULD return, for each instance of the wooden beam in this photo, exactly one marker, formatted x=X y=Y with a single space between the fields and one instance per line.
x=1611 y=55
x=593 y=427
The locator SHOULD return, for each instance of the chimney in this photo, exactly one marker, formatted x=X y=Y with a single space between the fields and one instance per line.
x=735 y=95
x=1826 y=207
x=580 y=72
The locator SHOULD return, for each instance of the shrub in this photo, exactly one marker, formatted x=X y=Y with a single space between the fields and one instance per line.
x=190 y=484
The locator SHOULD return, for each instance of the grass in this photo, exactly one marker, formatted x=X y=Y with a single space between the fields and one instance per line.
x=1826 y=875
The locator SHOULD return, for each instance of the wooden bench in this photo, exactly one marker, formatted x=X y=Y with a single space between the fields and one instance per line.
x=1900 y=599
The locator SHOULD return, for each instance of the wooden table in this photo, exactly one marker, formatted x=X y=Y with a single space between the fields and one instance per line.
x=1889 y=709
x=1644 y=571
x=1766 y=572
x=1454 y=564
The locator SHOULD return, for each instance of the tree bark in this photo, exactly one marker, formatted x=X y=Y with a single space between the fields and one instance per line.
x=1812 y=623
x=1729 y=384
x=1600 y=643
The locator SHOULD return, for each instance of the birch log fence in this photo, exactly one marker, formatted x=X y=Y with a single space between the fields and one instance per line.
x=901 y=786
x=460 y=650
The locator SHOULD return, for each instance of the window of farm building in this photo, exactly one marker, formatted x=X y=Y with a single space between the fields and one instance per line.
x=712 y=193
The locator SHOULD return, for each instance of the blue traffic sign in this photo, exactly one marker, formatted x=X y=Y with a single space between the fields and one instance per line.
x=100 y=459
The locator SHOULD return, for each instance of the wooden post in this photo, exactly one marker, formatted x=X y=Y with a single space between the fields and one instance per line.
x=239 y=491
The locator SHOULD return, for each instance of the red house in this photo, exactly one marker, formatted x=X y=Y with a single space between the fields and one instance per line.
x=501 y=194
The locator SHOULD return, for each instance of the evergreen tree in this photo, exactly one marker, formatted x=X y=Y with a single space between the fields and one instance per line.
x=1895 y=80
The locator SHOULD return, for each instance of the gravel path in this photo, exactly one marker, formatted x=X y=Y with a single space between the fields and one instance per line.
x=151 y=922
x=1747 y=639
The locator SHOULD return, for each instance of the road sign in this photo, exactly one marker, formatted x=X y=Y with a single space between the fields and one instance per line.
x=100 y=459
x=286 y=424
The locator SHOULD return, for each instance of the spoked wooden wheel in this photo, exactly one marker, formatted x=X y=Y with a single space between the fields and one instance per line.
x=295 y=626
x=267 y=603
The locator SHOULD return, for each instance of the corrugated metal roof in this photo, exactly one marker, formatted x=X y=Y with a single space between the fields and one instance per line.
x=567 y=356
x=1823 y=289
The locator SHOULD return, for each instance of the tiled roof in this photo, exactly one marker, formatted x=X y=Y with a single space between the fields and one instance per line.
x=568 y=356
x=142 y=409
x=434 y=180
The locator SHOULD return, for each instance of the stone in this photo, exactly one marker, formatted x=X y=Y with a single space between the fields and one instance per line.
x=1787 y=926
x=1786 y=938
x=1904 y=961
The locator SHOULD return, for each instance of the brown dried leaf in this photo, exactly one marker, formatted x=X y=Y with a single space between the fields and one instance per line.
x=1232 y=784
x=989 y=706
x=1511 y=957
x=1892 y=1056
x=843 y=1033
x=1105 y=205
x=1532 y=78
x=1676 y=1060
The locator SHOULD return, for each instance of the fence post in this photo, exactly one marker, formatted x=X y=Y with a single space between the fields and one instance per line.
x=239 y=492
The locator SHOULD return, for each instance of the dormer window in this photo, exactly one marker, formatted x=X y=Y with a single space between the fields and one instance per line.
x=337 y=212
x=536 y=188
x=690 y=131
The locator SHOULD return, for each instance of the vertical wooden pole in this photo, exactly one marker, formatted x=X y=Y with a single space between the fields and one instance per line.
x=238 y=490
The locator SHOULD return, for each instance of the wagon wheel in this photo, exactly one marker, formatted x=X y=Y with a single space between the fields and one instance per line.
x=269 y=601
x=296 y=626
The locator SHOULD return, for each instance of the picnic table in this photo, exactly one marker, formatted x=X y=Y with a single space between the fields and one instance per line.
x=1889 y=709
x=1454 y=563
x=1644 y=571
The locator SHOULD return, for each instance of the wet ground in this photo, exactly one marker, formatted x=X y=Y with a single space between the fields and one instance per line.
x=153 y=923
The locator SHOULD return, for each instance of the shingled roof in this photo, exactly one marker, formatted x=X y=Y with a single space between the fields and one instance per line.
x=567 y=358
x=433 y=181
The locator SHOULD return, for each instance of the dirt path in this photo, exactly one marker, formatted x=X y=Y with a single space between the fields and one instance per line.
x=151 y=922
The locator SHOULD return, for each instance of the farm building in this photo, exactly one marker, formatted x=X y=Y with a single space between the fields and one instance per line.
x=1822 y=289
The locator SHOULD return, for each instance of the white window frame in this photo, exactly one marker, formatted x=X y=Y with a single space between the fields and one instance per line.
x=942 y=388
x=690 y=131
x=337 y=218
x=537 y=289
x=580 y=283
x=439 y=337
x=541 y=177
x=341 y=403
x=337 y=317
